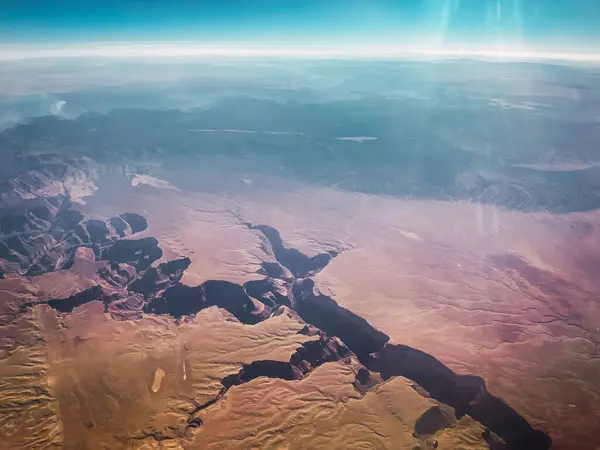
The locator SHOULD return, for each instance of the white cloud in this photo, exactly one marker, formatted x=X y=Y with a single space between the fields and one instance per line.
x=155 y=50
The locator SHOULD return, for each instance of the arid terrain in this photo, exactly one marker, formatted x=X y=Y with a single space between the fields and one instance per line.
x=349 y=273
x=214 y=331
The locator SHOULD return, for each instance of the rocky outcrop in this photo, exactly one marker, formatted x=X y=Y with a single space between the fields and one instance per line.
x=44 y=238
x=180 y=300
x=466 y=394
x=140 y=253
x=270 y=291
x=435 y=419
x=296 y=262
x=44 y=235
x=324 y=313
x=116 y=276
x=309 y=356
x=67 y=305
x=39 y=229
x=163 y=276
x=128 y=308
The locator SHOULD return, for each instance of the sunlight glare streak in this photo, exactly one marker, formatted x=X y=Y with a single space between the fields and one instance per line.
x=447 y=9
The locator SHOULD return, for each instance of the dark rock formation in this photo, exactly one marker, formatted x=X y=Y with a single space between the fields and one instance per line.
x=136 y=222
x=465 y=393
x=166 y=275
x=140 y=253
x=42 y=234
x=435 y=419
x=181 y=300
x=68 y=304
x=298 y=264
x=39 y=230
x=309 y=356
x=270 y=291
x=117 y=275
x=270 y=369
x=178 y=301
x=458 y=391
x=276 y=270
x=324 y=313
x=508 y=424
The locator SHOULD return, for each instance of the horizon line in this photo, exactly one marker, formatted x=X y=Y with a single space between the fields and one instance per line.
x=173 y=49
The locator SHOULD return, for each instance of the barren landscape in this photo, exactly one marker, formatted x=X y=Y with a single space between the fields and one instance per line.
x=119 y=375
x=194 y=280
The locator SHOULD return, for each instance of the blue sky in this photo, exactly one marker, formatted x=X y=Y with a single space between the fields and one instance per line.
x=562 y=25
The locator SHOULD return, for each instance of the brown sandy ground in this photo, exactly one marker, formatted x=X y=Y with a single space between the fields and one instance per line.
x=84 y=380
x=509 y=296
x=29 y=415
x=505 y=295
x=325 y=411
x=106 y=372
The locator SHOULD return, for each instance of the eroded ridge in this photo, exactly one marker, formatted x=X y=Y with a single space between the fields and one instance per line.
x=130 y=288
x=467 y=394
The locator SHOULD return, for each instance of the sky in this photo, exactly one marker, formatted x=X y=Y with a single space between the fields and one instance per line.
x=565 y=26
